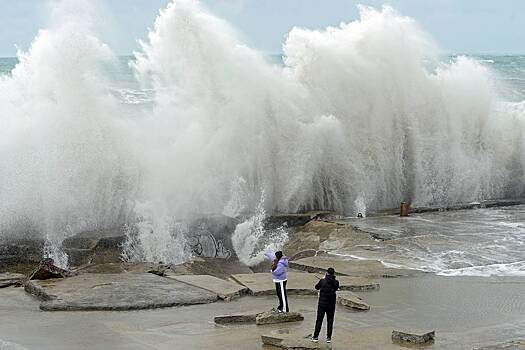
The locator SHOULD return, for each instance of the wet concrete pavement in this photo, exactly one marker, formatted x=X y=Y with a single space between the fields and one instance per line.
x=464 y=312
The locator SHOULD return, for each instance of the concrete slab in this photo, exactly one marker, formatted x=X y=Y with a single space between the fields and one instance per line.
x=225 y=290
x=359 y=268
x=127 y=291
x=261 y=283
x=352 y=301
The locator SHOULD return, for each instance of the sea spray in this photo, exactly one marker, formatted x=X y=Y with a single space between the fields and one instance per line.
x=155 y=237
x=362 y=115
x=251 y=240
x=64 y=167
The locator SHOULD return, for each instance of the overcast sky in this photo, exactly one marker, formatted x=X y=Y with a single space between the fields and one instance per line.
x=459 y=26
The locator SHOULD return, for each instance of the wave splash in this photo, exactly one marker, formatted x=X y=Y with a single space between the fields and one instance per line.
x=360 y=117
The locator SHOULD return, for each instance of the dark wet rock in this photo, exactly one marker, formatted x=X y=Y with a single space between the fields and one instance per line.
x=95 y=246
x=108 y=249
x=293 y=220
x=210 y=237
x=511 y=345
x=78 y=257
x=352 y=301
x=240 y=318
x=14 y=251
x=117 y=292
x=47 y=270
x=413 y=337
x=159 y=269
x=271 y=317
x=90 y=239
x=8 y=279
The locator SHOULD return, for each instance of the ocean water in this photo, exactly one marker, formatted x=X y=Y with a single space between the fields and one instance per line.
x=509 y=73
x=356 y=117
x=479 y=242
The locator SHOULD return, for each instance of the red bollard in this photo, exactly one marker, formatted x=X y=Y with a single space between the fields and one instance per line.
x=404 y=209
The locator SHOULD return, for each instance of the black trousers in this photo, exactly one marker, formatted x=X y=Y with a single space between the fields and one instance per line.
x=280 y=289
x=330 y=312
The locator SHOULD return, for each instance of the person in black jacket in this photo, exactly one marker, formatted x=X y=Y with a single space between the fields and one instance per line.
x=327 y=296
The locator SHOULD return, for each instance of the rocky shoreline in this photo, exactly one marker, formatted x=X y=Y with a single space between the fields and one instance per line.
x=102 y=282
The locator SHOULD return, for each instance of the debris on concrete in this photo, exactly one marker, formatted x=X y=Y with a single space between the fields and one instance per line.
x=413 y=337
x=47 y=269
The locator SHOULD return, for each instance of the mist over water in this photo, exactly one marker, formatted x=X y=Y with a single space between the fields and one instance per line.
x=359 y=117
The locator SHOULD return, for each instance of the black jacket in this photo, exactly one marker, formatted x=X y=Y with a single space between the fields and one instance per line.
x=327 y=288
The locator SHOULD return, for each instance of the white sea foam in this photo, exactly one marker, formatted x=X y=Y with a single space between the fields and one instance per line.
x=361 y=116
x=510 y=269
x=6 y=345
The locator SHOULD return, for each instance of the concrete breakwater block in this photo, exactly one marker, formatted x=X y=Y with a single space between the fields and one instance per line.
x=271 y=317
x=261 y=283
x=292 y=343
x=352 y=301
x=117 y=292
x=225 y=290
x=413 y=337
x=10 y=279
x=261 y=318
